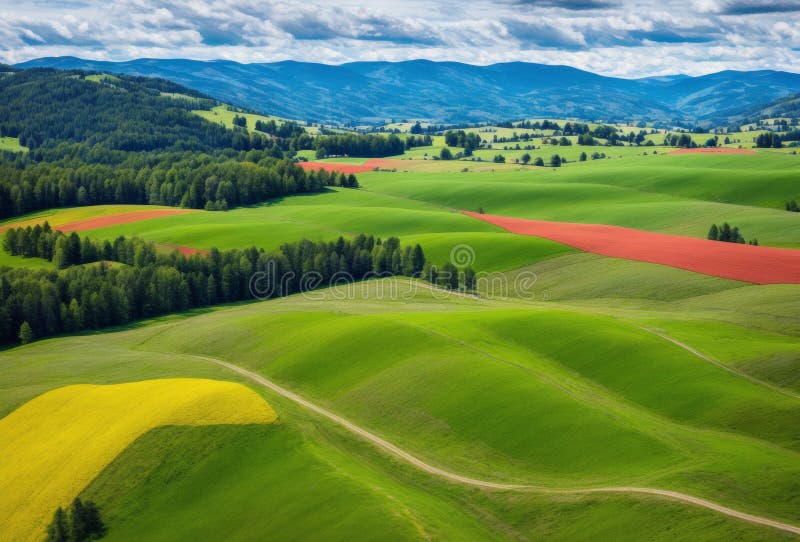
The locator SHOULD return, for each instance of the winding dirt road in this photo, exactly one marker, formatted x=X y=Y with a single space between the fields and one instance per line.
x=402 y=454
x=712 y=361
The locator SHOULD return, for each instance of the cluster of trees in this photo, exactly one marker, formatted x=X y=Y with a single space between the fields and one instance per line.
x=555 y=160
x=769 y=140
x=189 y=179
x=794 y=135
x=451 y=277
x=418 y=141
x=86 y=292
x=792 y=206
x=728 y=234
x=539 y=125
x=366 y=145
x=575 y=128
x=82 y=522
x=240 y=121
x=684 y=141
x=334 y=178
x=459 y=138
x=284 y=130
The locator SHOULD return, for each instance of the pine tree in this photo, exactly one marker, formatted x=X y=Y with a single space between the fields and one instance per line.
x=713 y=233
x=58 y=530
x=77 y=522
x=417 y=259
x=26 y=333
x=95 y=528
x=468 y=279
x=725 y=233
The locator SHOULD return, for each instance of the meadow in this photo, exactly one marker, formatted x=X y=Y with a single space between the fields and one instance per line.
x=481 y=387
x=222 y=114
x=11 y=144
x=564 y=372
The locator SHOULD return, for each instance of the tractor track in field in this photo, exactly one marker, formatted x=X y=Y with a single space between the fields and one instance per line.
x=719 y=364
x=457 y=478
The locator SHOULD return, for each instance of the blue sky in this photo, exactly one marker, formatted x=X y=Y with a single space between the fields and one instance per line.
x=612 y=37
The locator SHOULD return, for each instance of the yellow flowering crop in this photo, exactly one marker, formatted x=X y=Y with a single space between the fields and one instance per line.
x=54 y=445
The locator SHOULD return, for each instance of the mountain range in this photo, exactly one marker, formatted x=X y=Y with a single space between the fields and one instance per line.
x=451 y=92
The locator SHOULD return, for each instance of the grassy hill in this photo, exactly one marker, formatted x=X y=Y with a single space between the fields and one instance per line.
x=484 y=388
x=530 y=407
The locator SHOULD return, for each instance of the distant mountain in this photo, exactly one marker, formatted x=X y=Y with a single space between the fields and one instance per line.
x=788 y=106
x=372 y=92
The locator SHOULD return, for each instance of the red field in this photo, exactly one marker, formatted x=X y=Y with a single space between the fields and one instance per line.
x=759 y=265
x=186 y=251
x=121 y=218
x=369 y=165
x=715 y=150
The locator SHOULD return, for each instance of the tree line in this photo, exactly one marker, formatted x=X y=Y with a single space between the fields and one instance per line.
x=363 y=145
x=459 y=138
x=728 y=234
x=769 y=140
x=285 y=130
x=80 y=523
x=104 y=283
x=189 y=180
x=418 y=141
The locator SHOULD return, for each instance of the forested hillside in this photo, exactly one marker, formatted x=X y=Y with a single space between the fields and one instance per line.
x=95 y=139
x=145 y=282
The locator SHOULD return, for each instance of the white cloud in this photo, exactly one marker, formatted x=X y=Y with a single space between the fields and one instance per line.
x=616 y=38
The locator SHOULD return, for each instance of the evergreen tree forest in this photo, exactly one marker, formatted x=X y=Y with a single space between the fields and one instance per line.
x=120 y=141
x=79 y=523
x=103 y=283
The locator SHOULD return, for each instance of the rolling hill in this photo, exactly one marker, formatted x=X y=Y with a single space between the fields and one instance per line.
x=371 y=92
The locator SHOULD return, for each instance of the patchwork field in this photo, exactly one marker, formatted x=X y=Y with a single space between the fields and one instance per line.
x=55 y=444
x=597 y=383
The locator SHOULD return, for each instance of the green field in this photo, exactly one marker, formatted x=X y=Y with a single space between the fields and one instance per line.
x=11 y=144
x=566 y=371
x=223 y=115
x=480 y=387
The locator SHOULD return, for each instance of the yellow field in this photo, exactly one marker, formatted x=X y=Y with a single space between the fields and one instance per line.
x=54 y=445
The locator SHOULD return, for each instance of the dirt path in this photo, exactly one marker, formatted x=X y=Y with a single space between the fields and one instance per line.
x=721 y=365
x=436 y=471
x=756 y=264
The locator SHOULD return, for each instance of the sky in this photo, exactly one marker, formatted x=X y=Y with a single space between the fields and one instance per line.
x=611 y=37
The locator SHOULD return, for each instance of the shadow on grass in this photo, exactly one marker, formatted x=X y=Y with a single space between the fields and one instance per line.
x=139 y=324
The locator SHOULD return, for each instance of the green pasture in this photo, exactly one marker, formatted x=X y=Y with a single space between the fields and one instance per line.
x=482 y=387
x=222 y=115
x=11 y=144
